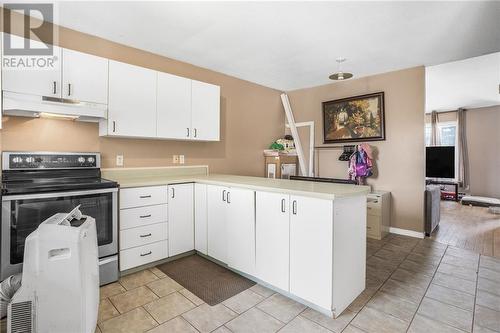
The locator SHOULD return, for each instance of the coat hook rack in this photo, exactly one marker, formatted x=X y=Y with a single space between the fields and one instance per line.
x=346 y=154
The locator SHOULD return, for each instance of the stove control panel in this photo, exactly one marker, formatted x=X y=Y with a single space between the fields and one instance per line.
x=28 y=161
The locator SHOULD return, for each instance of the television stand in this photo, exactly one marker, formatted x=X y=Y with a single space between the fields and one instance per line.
x=445 y=182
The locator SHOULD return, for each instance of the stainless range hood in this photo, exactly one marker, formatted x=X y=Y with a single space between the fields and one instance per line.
x=25 y=105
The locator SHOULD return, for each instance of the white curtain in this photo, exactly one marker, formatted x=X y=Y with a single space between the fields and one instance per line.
x=435 y=135
x=463 y=156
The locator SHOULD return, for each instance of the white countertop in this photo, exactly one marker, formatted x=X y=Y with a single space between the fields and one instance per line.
x=297 y=187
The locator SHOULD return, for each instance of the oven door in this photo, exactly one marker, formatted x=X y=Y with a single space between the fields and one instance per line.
x=21 y=215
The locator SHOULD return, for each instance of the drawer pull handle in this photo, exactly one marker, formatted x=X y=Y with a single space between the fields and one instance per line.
x=145 y=216
x=146 y=254
x=146 y=235
x=144 y=196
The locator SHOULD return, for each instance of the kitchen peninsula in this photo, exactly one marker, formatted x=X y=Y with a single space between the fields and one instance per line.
x=306 y=240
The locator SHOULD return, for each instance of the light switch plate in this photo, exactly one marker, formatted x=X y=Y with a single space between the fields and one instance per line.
x=119 y=160
x=181 y=159
x=175 y=159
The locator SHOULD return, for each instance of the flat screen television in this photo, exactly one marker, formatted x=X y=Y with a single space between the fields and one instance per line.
x=440 y=162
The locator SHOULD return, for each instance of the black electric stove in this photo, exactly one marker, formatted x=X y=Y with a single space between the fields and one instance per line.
x=37 y=185
x=37 y=172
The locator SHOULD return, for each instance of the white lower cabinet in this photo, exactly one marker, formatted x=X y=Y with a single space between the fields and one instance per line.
x=216 y=212
x=240 y=226
x=139 y=216
x=142 y=235
x=142 y=255
x=143 y=196
x=143 y=226
x=180 y=219
x=200 y=218
x=272 y=238
x=311 y=250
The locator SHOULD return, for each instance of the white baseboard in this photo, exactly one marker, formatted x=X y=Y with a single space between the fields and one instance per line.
x=406 y=232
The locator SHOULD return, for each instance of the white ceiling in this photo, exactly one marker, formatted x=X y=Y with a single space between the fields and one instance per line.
x=291 y=45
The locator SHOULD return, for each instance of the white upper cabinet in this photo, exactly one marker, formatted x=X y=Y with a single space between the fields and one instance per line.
x=139 y=102
x=45 y=82
x=132 y=101
x=85 y=77
x=173 y=107
x=205 y=111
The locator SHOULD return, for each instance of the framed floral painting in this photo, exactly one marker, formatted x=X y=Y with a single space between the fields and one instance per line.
x=358 y=118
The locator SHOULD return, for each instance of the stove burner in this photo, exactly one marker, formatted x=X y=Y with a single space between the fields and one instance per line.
x=35 y=172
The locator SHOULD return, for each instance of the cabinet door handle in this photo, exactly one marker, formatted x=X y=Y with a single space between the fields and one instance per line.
x=228 y=197
x=114 y=126
x=54 y=87
x=187 y=132
x=173 y=192
x=294 y=207
x=145 y=216
x=146 y=235
x=223 y=195
x=195 y=132
x=282 y=205
x=69 y=89
x=145 y=254
x=144 y=196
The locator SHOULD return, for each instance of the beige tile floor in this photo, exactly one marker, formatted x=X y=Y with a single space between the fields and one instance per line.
x=412 y=286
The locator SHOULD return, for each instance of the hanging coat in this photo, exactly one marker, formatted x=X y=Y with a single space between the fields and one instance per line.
x=360 y=163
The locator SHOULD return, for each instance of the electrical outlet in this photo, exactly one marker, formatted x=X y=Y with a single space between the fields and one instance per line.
x=175 y=159
x=181 y=159
x=119 y=160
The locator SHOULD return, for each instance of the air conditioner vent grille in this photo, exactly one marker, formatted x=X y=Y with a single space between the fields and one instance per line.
x=21 y=317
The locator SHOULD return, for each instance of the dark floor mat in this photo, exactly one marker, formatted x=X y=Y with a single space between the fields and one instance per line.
x=207 y=280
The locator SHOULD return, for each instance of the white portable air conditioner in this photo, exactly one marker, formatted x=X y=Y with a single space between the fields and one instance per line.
x=60 y=279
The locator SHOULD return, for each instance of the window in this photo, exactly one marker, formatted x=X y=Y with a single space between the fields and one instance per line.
x=447 y=134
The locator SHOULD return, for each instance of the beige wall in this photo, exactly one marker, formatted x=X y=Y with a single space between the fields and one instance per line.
x=483 y=142
x=251 y=118
x=400 y=158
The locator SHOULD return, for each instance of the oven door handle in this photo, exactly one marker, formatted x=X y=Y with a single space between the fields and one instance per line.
x=57 y=194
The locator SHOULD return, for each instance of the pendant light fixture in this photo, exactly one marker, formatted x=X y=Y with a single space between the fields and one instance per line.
x=340 y=75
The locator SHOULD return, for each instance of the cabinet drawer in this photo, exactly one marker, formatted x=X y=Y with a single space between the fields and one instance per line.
x=141 y=255
x=141 y=216
x=374 y=206
x=143 y=196
x=143 y=235
x=373 y=225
